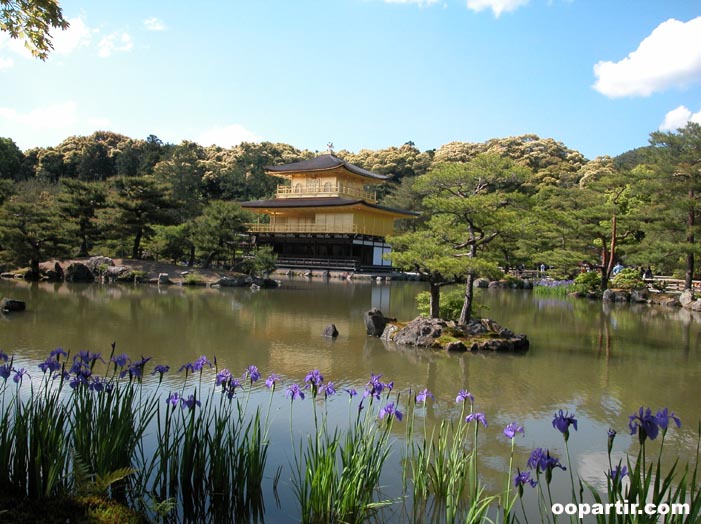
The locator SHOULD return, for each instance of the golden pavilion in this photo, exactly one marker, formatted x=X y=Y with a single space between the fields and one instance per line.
x=326 y=216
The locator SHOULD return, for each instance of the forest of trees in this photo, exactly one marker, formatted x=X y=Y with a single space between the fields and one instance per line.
x=505 y=202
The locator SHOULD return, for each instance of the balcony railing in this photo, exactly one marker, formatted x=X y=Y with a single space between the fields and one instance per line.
x=326 y=190
x=305 y=228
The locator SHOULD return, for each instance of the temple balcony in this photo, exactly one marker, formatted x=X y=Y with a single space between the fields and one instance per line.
x=308 y=228
x=331 y=229
x=326 y=190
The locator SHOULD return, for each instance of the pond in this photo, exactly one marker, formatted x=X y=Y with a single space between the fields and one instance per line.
x=600 y=361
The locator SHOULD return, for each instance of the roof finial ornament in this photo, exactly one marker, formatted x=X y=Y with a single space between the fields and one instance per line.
x=329 y=146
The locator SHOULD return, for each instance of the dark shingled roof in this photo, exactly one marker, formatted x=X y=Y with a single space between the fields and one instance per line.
x=319 y=202
x=323 y=163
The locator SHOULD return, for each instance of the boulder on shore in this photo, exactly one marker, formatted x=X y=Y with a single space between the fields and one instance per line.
x=478 y=334
x=79 y=272
x=98 y=264
x=11 y=304
x=235 y=281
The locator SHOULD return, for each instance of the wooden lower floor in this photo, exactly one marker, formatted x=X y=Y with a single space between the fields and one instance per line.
x=345 y=252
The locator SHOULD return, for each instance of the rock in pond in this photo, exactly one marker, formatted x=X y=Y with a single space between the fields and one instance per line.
x=11 y=304
x=330 y=331
x=375 y=322
x=478 y=334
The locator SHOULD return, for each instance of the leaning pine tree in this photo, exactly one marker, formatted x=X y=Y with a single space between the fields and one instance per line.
x=477 y=202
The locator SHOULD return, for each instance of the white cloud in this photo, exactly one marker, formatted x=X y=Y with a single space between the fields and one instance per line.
x=227 y=136
x=76 y=36
x=497 y=6
x=57 y=116
x=65 y=42
x=154 y=24
x=678 y=118
x=669 y=57
x=417 y=2
x=114 y=42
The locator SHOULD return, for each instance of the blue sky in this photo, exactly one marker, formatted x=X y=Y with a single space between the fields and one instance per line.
x=599 y=76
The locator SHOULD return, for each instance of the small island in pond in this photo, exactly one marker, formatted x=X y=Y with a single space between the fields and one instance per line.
x=436 y=333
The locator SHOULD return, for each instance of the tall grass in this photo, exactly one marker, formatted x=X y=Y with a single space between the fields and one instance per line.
x=443 y=466
x=336 y=475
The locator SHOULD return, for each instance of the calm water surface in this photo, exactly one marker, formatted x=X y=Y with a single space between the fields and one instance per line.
x=601 y=361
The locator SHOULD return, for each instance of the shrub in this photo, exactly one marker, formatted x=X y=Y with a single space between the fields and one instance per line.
x=451 y=304
x=628 y=278
x=589 y=282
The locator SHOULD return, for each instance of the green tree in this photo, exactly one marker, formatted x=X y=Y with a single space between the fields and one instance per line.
x=11 y=159
x=140 y=203
x=172 y=242
x=676 y=186
x=263 y=261
x=78 y=204
x=482 y=199
x=31 y=21
x=6 y=190
x=218 y=232
x=31 y=232
x=428 y=251
x=182 y=174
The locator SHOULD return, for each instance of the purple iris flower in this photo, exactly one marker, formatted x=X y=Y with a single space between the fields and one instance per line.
x=314 y=377
x=663 y=416
x=19 y=374
x=294 y=392
x=188 y=367
x=422 y=395
x=3 y=356
x=618 y=472
x=136 y=369
x=99 y=385
x=272 y=380
x=477 y=417
x=645 y=424
x=464 y=395
x=120 y=360
x=230 y=387
x=63 y=375
x=328 y=389
x=190 y=403
x=563 y=421
x=253 y=373
x=375 y=387
x=50 y=364
x=351 y=392
x=223 y=377
x=200 y=363
x=173 y=399
x=160 y=369
x=5 y=371
x=611 y=437
x=390 y=410
x=523 y=478
x=512 y=429
x=58 y=352
x=87 y=357
x=541 y=460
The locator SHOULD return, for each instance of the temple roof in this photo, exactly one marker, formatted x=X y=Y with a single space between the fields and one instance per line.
x=320 y=202
x=323 y=163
